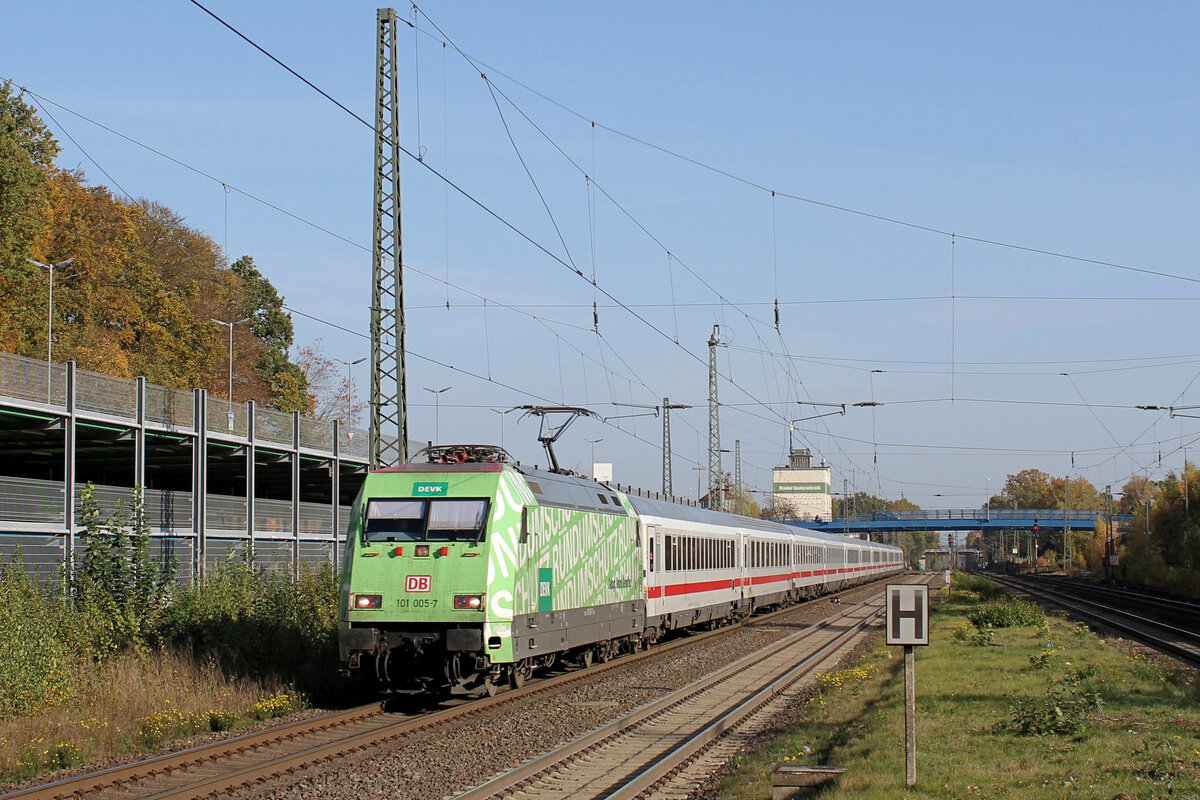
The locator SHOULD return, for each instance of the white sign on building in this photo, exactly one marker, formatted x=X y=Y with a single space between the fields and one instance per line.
x=801 y=491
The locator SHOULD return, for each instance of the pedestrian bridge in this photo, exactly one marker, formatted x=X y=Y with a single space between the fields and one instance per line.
x=968 y=519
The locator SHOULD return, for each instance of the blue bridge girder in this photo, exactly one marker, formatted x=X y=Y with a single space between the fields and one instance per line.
x=970 y=519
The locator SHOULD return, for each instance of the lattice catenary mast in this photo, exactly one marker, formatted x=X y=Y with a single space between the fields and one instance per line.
x=389 y=402
x=716 y=477
x=667 y=405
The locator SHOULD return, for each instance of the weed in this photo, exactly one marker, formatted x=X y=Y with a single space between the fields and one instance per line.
x=1062 y=711
x=1041 y=659
x=1006 y=612
x=221 y=720
x=278 y=704
x=983 y=638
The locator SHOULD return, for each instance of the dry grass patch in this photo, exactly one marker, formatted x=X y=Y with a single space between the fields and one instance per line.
x=134 y=702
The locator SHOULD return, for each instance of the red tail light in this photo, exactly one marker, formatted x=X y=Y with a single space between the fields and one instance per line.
x=469 y=601
x=367 y=601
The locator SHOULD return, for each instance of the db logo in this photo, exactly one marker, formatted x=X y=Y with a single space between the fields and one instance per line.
x=417 y=583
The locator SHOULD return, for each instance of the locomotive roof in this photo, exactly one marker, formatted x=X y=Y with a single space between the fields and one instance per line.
x=571 y=491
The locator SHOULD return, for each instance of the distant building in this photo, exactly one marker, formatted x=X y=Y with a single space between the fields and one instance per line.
x=801 y=491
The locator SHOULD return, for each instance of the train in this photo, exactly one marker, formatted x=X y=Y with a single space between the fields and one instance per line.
x=467 y=571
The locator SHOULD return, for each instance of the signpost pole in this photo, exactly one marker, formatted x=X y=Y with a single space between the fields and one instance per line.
x=910 y=714
x=907 y=612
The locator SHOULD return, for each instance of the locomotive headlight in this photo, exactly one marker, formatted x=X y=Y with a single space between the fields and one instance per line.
x=368 y=601
x=468 y=601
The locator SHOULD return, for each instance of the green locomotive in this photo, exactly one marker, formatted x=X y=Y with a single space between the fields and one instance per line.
x=469 y=572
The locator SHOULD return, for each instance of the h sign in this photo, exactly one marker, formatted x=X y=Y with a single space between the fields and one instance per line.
x=907 y=614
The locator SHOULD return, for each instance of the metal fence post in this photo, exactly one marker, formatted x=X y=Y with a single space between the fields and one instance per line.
x=251 y=479
x=69 y=471
x=295 y=495
x=200 y=484
x=335 y=478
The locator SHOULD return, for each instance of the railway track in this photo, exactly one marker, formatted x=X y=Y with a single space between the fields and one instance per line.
x=1111 y=608
x=253 y=760
x=644 y=751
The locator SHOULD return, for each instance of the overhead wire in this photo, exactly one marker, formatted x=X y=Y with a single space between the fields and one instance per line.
x=479 y=64
x=546 y=322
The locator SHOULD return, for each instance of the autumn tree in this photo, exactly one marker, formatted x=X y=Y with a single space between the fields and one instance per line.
x=272 y=327
x=865 y=504
x=330 y=386
x=1032 y=488
x=740 y=501
x=140 y=297
x=27 y=151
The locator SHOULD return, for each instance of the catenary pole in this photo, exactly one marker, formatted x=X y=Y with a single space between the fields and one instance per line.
x=389 y=403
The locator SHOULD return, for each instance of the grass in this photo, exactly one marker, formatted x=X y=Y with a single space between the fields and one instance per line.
x=219 y=655
x=1129 y=728
x=136 y=702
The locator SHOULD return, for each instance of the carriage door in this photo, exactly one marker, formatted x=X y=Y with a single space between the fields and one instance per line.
x=653 y=549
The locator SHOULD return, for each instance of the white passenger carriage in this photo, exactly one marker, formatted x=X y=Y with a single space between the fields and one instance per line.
x=706 y=567
x=692 y=563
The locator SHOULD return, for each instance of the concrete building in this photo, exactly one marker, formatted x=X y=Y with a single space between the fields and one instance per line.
x=801 y=491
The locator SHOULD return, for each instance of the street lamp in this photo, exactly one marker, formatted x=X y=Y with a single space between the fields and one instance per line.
x=230 y=325
x=501 y=412
x=50 y=318
x=593 y=443
x=437 y=411
x=349 y=385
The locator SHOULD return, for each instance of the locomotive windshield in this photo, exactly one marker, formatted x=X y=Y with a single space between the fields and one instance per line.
x=442 y=520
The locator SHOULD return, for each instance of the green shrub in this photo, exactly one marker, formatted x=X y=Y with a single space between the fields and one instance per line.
x=1006 y=612
x=1062 y=711
x=38 y=645
x=975 y=584
x=259 y=624
x=120 y=588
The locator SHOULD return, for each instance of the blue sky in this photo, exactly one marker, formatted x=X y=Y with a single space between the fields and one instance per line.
x=1069 y=128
